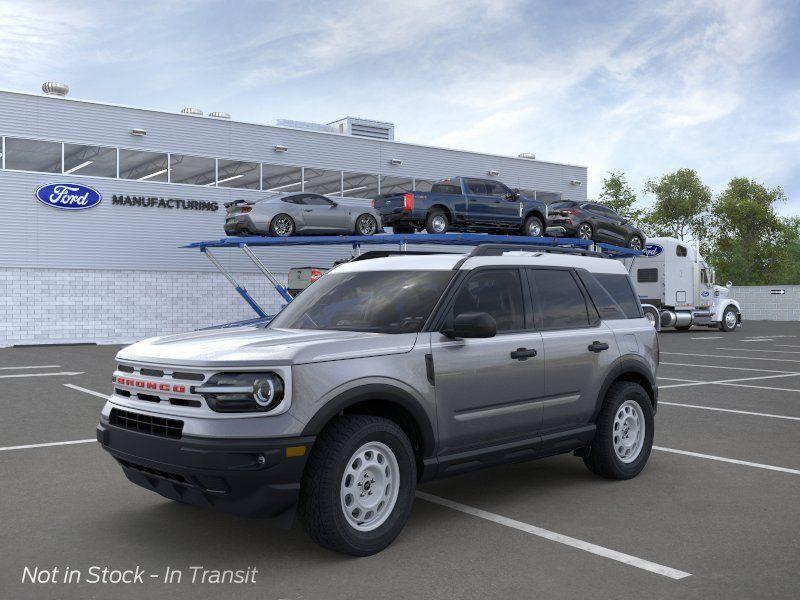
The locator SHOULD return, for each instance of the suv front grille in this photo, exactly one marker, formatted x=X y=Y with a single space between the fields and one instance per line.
x=170 y=428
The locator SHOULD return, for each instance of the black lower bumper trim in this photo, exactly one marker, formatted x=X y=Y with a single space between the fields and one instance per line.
x=248 y=477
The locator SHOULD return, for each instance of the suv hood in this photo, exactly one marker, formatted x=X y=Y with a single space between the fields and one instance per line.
x=253 y=346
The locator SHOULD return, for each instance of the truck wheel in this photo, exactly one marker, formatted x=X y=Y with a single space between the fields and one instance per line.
x=436 y=222
x=281 y=226
x=358 y=487
x=533 y=227
x=624 y=436
x=366 y=224
x=729 y=320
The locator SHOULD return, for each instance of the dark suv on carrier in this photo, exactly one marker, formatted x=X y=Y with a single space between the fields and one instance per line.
x=593 y=221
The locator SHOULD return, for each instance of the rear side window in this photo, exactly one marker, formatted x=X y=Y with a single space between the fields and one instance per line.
x=497 y=292
x=647 y=275
x=559 y=301
x=446 y=188
x=619 y=288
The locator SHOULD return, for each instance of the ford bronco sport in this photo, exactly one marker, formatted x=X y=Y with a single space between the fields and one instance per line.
x=385 y=373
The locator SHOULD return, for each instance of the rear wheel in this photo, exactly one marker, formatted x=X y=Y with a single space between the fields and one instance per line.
x=366 y=224
x=533 y=227
x=281 y=226
x=358 y=487
x=636 y=243
x=436 y=222
x=729 y=320
x=585 y=231
x=624 y=435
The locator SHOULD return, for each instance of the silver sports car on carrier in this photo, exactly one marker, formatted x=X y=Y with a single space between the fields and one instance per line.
x=300 y=213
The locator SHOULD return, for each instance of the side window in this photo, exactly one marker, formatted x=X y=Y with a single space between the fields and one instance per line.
x=647 y=275
x=446 y=188
x=495 y=188
x=476 y=187
x=560 y=302
x=497 y=292
x=299 y=199
x=316 y=200
x=606 y=305
x=681 y=251
x=620 y=289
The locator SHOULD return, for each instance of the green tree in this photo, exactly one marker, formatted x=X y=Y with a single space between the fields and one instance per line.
x=618 y=195
x=681 y=206
x=750 y=243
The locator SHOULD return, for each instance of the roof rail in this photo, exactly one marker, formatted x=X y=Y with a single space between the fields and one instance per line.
x=499 y=249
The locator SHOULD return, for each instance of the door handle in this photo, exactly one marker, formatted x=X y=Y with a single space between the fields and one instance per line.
x=308 y=210
x=523 y=353
x=597 y=346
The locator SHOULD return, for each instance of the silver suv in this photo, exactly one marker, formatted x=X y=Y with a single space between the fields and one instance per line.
x=385 y=373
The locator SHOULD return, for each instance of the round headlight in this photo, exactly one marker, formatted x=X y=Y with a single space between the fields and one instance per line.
x=268 y=392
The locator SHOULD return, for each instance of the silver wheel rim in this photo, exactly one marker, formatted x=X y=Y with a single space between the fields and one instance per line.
x=282 y=226
x=370 y=485
x=629 y=431
x=730 y=319
x=651 y=317
x=636 y=243
x=366 y=225
x=534 y=228
x=439 y=223
x=585 y=232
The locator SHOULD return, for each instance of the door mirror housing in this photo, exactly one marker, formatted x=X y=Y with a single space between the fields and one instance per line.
x=334 y=204
x=472 y=325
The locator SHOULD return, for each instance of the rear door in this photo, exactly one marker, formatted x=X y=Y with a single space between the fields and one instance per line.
x=484 y=395
x=481 y=204
x=578 y=348
x=602 y=222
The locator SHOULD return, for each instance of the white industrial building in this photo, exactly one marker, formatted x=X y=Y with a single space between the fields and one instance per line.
x=115 y=272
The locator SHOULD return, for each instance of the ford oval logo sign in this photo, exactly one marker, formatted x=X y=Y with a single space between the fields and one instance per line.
x=652 y=250
x=68 y=196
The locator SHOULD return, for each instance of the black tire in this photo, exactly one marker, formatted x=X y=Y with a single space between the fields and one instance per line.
x=320 y=507
x=278 y=231
x=601 y=459
x=434 y=219
x=360 y=227
x=636 y=242
x=581 y=235
x=533 y=227
x=723 y=326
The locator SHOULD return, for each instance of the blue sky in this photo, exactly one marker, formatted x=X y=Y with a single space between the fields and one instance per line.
x=643 y=88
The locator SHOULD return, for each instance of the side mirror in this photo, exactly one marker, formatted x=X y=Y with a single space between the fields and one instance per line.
x=472 y=325
x=334 y=204
x=729 y=285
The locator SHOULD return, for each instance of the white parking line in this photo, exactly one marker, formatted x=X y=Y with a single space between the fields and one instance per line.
x=633 y=561
x=15 y=375
x=726 y=381
x=758 y=350
x=84 y=390
x=709 y=337
x=31 y=367
x=730 y=410
x=787 y=346
x=728 y=460
x=761 y=387
x=723 y=367
x=758 y=340
x=47 y=444
x=737 y=357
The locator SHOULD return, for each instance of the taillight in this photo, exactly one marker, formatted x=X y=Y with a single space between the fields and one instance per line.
x=315 y=274
x=372 y=203
x=408 y=201
x=246 y=209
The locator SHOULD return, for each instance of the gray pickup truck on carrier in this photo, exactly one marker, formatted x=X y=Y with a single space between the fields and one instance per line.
x=464 y=204
x=385 y=373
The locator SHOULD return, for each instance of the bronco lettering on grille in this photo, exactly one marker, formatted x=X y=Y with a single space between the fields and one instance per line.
x=151 y=385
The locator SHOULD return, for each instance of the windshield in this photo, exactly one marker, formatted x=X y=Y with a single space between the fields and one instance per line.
x=375 y=301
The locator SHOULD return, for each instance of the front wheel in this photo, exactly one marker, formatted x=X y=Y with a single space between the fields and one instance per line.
x=358 y=487
x=624 y=436
x=533 y=227
x=366 y=224
x=729 y=320
x=585 y=231
x=636 y=243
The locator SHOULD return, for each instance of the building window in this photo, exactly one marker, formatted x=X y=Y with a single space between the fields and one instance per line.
x=143 y=166
x=236 y=174
x=320 y=181
x=360 y=185
x=280 y=178
x=423 y=185
x=396 y=185
x=90 y=160
x=194 y=170
x=33 y=155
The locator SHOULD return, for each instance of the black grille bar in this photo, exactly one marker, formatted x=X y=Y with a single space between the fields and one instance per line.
x=171 y=428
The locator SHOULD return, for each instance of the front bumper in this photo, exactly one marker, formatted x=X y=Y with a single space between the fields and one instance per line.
x=244 y=477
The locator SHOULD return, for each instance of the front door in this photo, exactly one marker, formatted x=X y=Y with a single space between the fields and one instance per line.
x=578 y=348
x=489 y=390
x=322 y=214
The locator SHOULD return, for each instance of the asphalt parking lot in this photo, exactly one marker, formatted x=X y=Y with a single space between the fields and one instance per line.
x=714 y=515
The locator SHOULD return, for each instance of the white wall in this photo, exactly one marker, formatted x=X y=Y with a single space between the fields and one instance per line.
x=760 y=304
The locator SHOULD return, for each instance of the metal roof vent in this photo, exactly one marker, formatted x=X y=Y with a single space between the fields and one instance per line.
x=527 y=155
x=219 y=115
x=377 y=130
x=51 y=88
x=196 y=112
